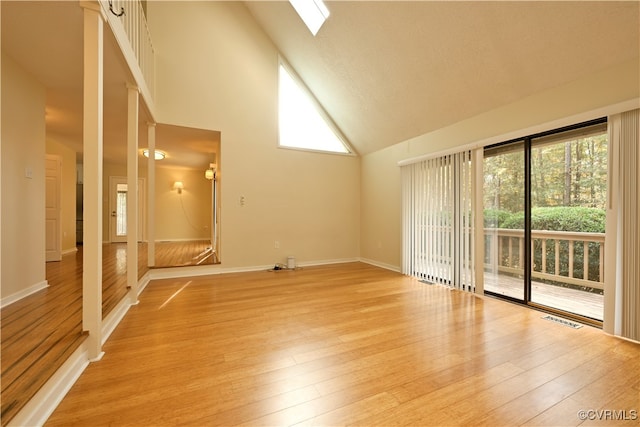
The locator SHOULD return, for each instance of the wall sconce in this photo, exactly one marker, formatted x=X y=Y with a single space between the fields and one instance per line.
x=210 y=173
x=179 y=186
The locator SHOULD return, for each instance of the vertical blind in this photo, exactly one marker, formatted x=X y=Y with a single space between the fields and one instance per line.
x=437 y=206
x=622 y=276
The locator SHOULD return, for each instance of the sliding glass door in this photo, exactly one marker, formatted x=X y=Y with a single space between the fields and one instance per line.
x=544 y=208
x=504 y=187
x=568 y=201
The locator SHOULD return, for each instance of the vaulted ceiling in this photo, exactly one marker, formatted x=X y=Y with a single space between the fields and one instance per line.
x=387 y=71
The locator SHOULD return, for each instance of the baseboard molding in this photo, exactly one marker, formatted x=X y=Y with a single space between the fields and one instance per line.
x=41 y=406
x=381 y=265
x=143 y=282
x=70 y=251
x=23 y=293
x=195 y=239
x=114 y=318
x=199 y=270
x=206 y=270
x=327 y=262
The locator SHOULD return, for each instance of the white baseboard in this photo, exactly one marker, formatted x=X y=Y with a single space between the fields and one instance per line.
x=47 y=399
x=114 y=318
x=23 y=293
x=143 y=282
x=70 y=251
x=206 y=270
x=192 y=239
x=327 y=262
x=381 y=265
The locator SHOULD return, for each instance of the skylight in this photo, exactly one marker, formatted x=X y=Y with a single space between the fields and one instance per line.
x=312 y=12
x=302 y=123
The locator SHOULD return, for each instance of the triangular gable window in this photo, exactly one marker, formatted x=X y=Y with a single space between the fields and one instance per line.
x=303 y=124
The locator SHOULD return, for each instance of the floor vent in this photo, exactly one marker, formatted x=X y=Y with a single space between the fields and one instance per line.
x=564 y=322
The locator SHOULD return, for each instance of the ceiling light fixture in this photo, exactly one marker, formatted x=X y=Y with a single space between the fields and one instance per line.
x=158 y=155
x=312 y=12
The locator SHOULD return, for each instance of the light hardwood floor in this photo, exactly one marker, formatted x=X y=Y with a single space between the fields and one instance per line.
x=346 y=344
x=40 y=331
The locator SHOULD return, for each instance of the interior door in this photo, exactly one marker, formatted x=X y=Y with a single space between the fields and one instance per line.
x=118 y=190
x=53 y=224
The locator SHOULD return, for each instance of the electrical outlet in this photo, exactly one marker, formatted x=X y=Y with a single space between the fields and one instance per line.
x=243 y=200
x=276 y=244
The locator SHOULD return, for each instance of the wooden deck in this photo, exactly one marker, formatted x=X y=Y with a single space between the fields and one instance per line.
x=346 y=344
x=566 y=299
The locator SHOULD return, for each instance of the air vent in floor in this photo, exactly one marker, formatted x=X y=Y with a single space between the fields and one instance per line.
x=564 y=322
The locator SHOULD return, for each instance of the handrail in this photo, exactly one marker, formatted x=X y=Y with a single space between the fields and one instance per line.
x=502 y=246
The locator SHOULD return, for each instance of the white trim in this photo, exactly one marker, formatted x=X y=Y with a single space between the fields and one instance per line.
x=41 y=406
x=69 y=251
x=206 y=270
x=23 y=293
x=620 y=107
x=386 y=266
x=114 y=318
x=327 y=262
x=143 y=282
x=195 y=239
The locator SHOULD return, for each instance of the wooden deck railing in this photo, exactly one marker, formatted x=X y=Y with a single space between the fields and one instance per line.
x=553 y=255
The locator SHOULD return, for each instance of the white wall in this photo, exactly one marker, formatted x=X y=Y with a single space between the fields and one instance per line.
x=23 y=148
x=381 y=189
x=217 y=70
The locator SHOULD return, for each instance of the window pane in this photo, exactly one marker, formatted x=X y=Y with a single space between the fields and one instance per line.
x=504 y=220
x=301 y=124
x=568 y=200
x=121 y=212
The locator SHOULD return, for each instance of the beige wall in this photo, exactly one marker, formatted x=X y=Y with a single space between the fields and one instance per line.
x=381 y=189
x=185 y=216
x=217 y=70
x=23 y=147
x=68 y=193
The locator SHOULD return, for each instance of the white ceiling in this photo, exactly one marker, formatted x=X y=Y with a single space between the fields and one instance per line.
x=387 y=71
x=384 y=71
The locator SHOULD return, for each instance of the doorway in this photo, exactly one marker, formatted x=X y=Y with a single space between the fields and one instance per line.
x=544 y=205
x=118 y=190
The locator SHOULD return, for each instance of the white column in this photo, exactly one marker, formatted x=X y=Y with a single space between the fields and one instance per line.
x=92 y=149
x=132 y=193
x=477 y=163
x=612 y=261
x=151 y=197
